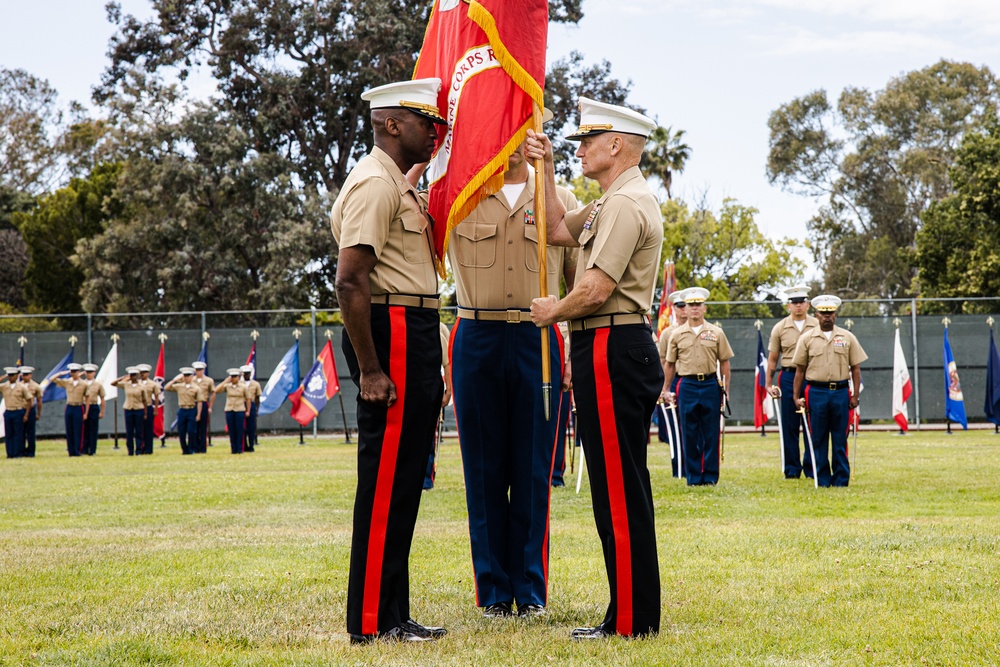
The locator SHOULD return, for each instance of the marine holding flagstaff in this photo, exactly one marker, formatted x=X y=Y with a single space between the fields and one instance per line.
x=387 y=289
x=616 y=373
x=824 y=360
x=698 y=353
x=507 y=443
x=669 y=432
x=781 y=346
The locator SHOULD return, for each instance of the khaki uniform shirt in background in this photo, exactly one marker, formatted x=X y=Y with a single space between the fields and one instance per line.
x=236 y=397
x=445 y=344
x=253 y=391
x=621 y=234
x=16 y=395
x=206 y=387
x=135 y=393
x=662 y=341
x=494 y=253
x=75 y=390
x=95 y=389
x=693 y=353
x=828 y=360
x=152 y=391
x=378 y=207
x=187 y=394
x=36 y=392
x=784 y=337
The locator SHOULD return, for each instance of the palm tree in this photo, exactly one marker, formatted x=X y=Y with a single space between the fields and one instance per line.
x=665 y=154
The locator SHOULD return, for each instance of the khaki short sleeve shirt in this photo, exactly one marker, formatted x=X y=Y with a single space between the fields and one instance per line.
x=16 y=395
x=494 y=252
x=698 y=353
x=134 y=394
x=622 y=235
x=187 y=394
x=785 y=336
x=662 y=342
x=377 y=207
x=205 y=387
x=236 y=397
x=76 y=390
x=828 y=360
x=253 y=390
x=95 y=390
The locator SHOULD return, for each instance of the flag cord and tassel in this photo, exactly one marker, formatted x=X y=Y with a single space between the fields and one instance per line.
x=543 y=273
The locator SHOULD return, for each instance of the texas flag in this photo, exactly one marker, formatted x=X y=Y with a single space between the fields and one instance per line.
x=321 y=384
x=901 y=386
x=490 y=57
x=762 y=406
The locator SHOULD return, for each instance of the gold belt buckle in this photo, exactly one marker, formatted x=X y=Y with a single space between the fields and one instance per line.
x=513 y=316
x=833 y=386
x=701 y=377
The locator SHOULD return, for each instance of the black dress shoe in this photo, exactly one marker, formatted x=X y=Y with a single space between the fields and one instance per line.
x=530 y=610
x=424 y=630
x=591 y=633
x=400 y=633
x=497 y=610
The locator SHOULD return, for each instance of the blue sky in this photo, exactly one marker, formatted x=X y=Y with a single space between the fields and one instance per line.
x=715 y=68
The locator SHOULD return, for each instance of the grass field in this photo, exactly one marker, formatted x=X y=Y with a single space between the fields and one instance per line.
x=242 y=560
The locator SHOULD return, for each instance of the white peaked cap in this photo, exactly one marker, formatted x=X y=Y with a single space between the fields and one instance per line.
x=826 y=303
x=694 y=295
x=419 y=96
x=597 y=117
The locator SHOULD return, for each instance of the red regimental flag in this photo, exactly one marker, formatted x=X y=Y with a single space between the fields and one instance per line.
x=158 y=376
x=490 y=57
x=666 y=314
x=320 y=385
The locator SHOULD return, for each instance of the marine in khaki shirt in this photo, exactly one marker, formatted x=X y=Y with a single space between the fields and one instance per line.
x=377 y=207
x=16 y=394
x=494 y=253
x=236 y=390
x=785 y=336
x=136 y=397
x=187 y=392
x=76 y=388
x=828 y=359
x=698 y=352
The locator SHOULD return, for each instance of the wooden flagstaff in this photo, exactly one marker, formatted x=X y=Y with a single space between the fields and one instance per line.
x=543 y=273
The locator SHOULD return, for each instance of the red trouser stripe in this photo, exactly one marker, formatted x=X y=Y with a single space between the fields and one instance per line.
x=386 y=471
x=616 y=483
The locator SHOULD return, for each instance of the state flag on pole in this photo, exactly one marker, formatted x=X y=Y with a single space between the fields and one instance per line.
x=993 y=383
x=321 y=384
x=158 y=377
x=762 y=406
x=50 y=390
x=283 y=381
x=109 y=373
x=901 y=386
x=252 y=361
x=490 y=57
x=954 y=402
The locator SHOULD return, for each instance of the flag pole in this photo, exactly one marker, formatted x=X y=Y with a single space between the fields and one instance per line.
x=114 y=341
x=543 y=273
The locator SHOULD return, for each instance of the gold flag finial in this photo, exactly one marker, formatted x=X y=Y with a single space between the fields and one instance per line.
x=990 y=321
x=758 y=324
x=297 y=334
x=946 y=321
x=896 y=322
x=255 y=335
x=115 y=338
x=849 y=324
x=22 y=340
x=328 y=334
x=73 y=340
x=163 y=337
x=205 y=336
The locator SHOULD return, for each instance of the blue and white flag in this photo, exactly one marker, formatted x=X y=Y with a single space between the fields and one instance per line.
x=954 y=403
x=283 y=381
x=993 y=383
x=52 y=391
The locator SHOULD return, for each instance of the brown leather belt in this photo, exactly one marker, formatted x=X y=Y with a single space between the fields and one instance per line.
x=589 y=323
x=512 y=316
x=410 y=300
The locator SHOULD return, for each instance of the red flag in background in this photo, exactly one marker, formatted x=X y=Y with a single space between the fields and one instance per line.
x=490 y=57
x=666 y=314
x=321 y=384
x=158 y=376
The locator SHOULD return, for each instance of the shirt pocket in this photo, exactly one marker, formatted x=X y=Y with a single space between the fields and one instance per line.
x=476 y=244
x=531 y=248
x=415 y=247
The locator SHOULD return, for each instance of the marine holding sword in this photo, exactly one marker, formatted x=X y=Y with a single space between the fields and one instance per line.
x=696 y=351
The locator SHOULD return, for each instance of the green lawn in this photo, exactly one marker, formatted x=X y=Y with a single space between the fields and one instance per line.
x=242 y=560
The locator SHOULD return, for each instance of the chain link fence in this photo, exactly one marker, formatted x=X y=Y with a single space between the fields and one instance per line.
x=230 y=335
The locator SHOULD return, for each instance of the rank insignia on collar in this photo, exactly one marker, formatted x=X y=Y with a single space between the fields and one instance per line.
x=529 y=217
x=593 y=216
